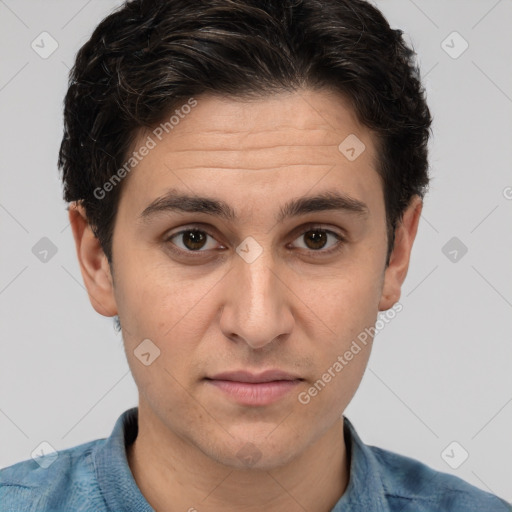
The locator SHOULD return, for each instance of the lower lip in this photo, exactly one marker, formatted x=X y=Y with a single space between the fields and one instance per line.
x=259 y=393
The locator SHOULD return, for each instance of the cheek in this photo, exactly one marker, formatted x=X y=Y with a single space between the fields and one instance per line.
x=340 y=364
x=326 y=397
x=347 y=303
x=158 y=303
x=156 y=296
x=346 y=311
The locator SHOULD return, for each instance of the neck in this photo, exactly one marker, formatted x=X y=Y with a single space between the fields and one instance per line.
x=174 y=475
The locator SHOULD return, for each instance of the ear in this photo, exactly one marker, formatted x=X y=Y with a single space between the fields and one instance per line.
x=93 y=263
x=395 y=273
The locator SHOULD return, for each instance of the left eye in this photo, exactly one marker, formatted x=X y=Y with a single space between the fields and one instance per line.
x=317 y=239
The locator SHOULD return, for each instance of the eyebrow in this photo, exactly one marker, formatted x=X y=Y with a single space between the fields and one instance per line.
x=176 y=201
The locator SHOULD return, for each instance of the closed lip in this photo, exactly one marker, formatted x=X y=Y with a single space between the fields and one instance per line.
x=244 y=376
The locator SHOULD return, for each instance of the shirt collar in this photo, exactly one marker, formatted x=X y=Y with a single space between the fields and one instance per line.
x=364 y=491
x=115 y=478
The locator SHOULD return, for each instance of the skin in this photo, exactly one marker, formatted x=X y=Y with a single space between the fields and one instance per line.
x=292 y=308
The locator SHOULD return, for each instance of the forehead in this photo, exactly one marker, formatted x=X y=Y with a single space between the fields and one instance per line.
x=253 y=152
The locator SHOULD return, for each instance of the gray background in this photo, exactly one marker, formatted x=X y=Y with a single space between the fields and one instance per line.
x=440 y=371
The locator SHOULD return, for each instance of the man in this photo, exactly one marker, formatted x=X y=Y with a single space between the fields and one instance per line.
x=246 y=181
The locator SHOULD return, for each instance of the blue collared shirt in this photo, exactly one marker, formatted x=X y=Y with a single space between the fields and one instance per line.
x=95 y=476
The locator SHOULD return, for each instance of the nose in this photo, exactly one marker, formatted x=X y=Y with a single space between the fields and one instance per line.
x=256 y=307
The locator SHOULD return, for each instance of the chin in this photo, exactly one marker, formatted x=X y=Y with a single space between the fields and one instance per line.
x=247 y=453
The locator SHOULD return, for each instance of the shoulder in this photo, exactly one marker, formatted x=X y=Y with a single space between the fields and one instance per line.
x=407 y=481
x=63 y=480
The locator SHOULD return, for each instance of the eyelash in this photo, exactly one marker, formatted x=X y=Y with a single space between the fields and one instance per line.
x=313 y=227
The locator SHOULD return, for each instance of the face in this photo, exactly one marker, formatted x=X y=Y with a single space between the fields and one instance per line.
x=257 y=278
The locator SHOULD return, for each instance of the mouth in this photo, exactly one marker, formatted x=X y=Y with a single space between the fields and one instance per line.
x=251 y=389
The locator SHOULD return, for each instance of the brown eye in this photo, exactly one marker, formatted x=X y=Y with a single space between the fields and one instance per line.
x=316 y=239
x=192 y=240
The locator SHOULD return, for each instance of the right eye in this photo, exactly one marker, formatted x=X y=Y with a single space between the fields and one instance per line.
x=193 y=240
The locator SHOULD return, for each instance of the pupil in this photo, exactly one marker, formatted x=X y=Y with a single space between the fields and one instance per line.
x=195 y=238
x=318 y=236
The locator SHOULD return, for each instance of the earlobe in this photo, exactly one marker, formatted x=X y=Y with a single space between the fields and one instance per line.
x=396 y=271
x=94 y=265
